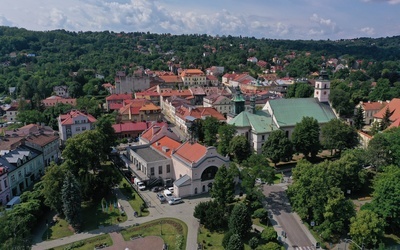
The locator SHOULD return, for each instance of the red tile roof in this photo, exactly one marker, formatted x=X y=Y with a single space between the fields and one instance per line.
x=171 y=79
x=191 y=152
x=53 y=100
x=190 y=72
x=199 y=112
x=117 y=97
x=156 y=131
x=69 y=118
x=129 y=126
x=41 y=139
x=394 y=107
x=166 y=145
x=374 y=105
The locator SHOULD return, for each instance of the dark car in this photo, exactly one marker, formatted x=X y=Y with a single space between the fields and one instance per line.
x=157 y=189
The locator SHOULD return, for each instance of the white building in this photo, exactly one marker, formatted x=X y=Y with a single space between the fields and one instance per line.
x=74 y=122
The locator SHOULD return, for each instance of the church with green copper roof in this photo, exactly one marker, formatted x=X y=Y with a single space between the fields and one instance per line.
x=283 y=114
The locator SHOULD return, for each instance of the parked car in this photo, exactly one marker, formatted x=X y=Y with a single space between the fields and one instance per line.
x=161 y=197
x=171 y=189
x=168 y=194
x=157 y=189
x=174 y=201
x=141 y=186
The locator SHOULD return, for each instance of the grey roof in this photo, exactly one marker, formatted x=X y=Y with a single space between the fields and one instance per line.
x=148 y=154
x=181 y=181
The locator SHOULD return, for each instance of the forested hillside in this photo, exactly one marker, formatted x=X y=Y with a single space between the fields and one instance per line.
x=36 y=61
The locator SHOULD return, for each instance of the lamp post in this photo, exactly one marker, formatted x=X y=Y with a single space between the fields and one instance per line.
x=161 y=227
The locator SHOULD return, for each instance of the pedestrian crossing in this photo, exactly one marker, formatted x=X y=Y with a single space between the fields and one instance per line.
x=305 y=248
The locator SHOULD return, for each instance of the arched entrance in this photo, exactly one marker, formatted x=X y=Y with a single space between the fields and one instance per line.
x=209 y=173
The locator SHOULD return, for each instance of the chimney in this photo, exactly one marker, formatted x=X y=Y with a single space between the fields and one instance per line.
x=252 y=104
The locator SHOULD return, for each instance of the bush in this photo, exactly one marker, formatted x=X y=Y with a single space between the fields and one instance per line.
x=261 y=214
x=179 y=242
x=253 y=243
x=269 y=234
x=225 y=240
x=270 y=246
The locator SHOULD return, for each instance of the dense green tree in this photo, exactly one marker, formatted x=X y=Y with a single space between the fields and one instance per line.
x=359 y=121
x=382 y=91
x=31 y=116
x=71 y=199
x=211 y=214
x=225 y=133
x=270 y=246
x=240 y=220
x=341 y=102
x=385 y=122
x=89 y=105
x=367 y=229
x=210 y=126
x=269 y=234
x=223 y=188
x=15 y=230
x=240 y=148
x=253 y=243
x=379 y=151
x=107 y=132
x=52 y=183
x=256 y=166
x=338 y=211
x=300 y=90
x=85 y=152
x=235 y=243
x=386 y=201
x=337 y=135
x=305 y=137
x=278 y=147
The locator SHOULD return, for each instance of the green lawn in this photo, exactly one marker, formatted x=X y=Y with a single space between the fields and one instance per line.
x=133 y=197
x=88 y=244
x=278 y=178
x=167 y=228
x=59 y=230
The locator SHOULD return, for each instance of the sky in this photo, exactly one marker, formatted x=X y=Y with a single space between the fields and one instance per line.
x=279 y=19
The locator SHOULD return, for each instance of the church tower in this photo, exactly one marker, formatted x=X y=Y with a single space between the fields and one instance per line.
x=322 y=87
x=237 y=104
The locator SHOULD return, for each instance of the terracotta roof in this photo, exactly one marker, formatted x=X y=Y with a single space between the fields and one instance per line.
x=212 y=77
x=129 y=126
x=199 y=112
x=166 y=145
x=31 y=129
x=394 y=107
x=68 y=119
x=191 y=152
x=171 y=79
x=189 y=72
x=115 y=106
x=115 y=97
x=157 y=131
x=53 y=100
x=149 y=106
x=374 y=105
x=184 y=92
x=41 y=139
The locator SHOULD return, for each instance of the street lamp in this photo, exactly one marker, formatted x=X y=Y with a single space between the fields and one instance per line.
x=350 y=240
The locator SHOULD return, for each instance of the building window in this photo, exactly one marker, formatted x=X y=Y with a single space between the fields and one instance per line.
x=19 y=174
x=83 y=128
x=152 y=171
x=159 y=169
x=77 y=129
x=263 y=137
x=5 y=183
x=168 y=168
x=12 y=178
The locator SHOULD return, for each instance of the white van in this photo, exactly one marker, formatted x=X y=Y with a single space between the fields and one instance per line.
x=14 y=201
x=167 y=194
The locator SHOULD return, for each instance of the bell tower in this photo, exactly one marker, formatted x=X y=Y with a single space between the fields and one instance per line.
x=322 y=86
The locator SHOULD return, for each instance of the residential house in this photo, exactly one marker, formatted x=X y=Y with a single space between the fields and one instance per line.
x=139 y=110
x=221 y=103
x=129 y=129
x=54 y=100
x=152 y=94
x=192 y=77
x=61 y=91
x=12 y=112
x=25 y=166
x=394 y=109
x=48 y=145
x=116 y=101
x=155 y=132
x=252 y=59
x=183 y=112
x=5 y=192
x=73 y=123
x=184 y=93
x=212 y=80
x=369 y=109
x=172 y=80
x=170 y=105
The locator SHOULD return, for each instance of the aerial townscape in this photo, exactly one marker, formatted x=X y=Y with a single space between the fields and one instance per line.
x=142 y=140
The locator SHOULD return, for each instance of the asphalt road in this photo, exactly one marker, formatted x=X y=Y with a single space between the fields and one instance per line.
x=298 y=236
